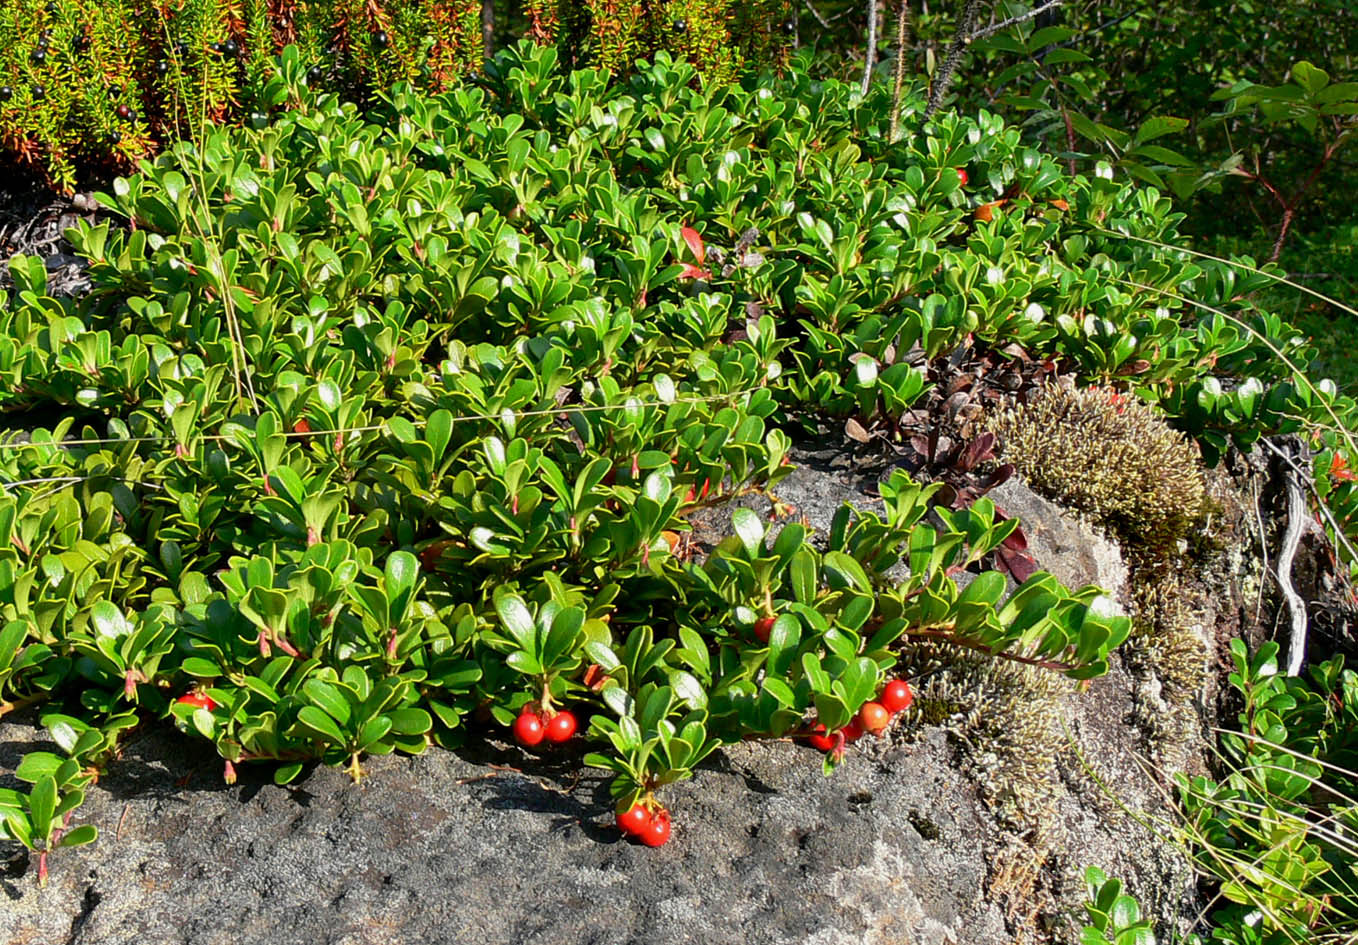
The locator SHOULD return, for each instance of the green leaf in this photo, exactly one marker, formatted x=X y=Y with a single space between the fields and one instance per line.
x=402 y=572
x=518 y=621
x=688 y=690
x=563 y=636
x=805 y=576
x=200 y=668
x=1310 y=77
x=749 y=529
x=37 y=765
x=372 y=732
x=410 y=721
x=842 y=571
x=329 y=698
x=79 y=836
x=322 y=724
x=438 y=430
x=1156 y=127
x=42 y=802
x=286 y=774
x=1124 y=912
x=108 y=620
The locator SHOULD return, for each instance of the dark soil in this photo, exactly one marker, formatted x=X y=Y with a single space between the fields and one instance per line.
x=32 y=221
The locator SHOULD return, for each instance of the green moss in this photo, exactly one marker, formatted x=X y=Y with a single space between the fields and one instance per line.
x=1111 y=457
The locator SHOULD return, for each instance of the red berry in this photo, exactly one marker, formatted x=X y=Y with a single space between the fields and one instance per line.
x=763 y=627
x=962 y=176
x=199 y=700
x=301 y=426
x=561 y=727
x=820 y=739
x=124 y=112
x=690 y=496
x=657 y=832
x=852 y=732
x=634 y=820
x=896 y=696
x=874 y=718
x=528 y=728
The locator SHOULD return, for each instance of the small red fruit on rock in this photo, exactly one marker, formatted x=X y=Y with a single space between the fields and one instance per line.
x=657 y=832
x=528 y=729
x=852 y=732
x=820 y=738
x=561 y=727
x=874 y=717
x=634 y=820
x=763 y=627
x=962 y=176
x=896 y=696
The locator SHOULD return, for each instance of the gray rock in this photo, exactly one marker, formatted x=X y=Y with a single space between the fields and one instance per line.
x=1074 y=551
x=503 y=848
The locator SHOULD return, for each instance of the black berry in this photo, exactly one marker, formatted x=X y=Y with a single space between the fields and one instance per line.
x=680 y=25
x=115 y=90
x=216 y=47
x=162 y=67
x=39 y=92
x=315 y=72
x=789 y=27
x=39 y=55
x=6 y=93
x=381 y=38
x=230 y=47
x=123 y=112
x=114 y=137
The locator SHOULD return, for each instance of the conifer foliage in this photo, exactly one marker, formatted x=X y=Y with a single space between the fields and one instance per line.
x=106 y=82
x=100 y=84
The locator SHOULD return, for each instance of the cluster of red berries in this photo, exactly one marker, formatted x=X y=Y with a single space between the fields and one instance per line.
x=873 y=717
x=652 y=829
x=532 y=727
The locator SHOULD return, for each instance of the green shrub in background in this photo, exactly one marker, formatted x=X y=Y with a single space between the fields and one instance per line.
x=719 y=36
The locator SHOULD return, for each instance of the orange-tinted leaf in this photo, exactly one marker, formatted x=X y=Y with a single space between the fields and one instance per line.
x=695 y=243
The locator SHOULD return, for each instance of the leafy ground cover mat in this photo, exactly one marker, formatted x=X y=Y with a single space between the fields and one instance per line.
x=383 y=429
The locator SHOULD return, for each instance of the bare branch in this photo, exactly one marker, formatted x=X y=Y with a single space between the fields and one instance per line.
x=1014 y=20
x=956 y=50
x=902 y=34
x=870 y=56
x=820 y=18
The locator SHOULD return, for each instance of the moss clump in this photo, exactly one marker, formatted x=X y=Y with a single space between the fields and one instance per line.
x=1109 y=456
